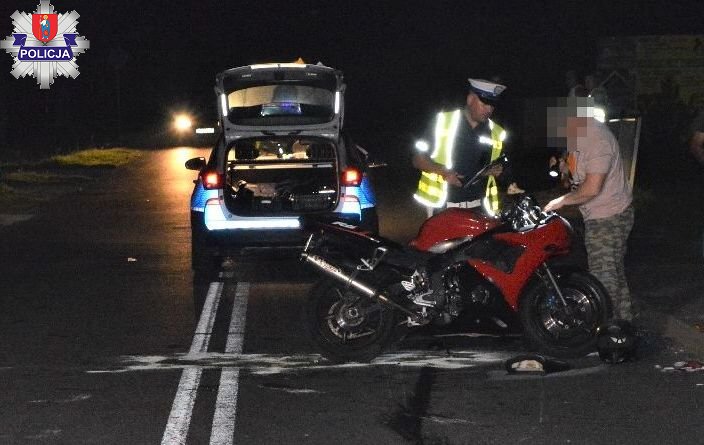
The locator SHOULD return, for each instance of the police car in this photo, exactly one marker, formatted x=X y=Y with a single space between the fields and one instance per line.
x=281 y=157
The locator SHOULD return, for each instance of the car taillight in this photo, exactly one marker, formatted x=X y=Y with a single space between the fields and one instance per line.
x=211 y=180
x=351 y=177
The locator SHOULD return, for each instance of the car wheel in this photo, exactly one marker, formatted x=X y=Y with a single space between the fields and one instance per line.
x=202 y=256
x=370 y=221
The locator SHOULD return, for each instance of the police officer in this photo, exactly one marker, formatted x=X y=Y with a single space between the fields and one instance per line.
x=464 y=142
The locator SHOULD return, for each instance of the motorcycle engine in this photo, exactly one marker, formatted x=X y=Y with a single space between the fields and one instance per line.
x=437 y=294
x=465 y=288
x=453 y=286
x=444 y=294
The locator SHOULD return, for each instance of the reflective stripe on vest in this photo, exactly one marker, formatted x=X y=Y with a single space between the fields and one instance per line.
x=432 y=188
x=498 y=135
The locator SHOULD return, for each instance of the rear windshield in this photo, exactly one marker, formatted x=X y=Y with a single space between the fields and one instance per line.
x=280 y=98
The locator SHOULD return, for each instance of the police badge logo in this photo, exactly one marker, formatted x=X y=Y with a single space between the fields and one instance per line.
x=45 y=44
x=44 y=26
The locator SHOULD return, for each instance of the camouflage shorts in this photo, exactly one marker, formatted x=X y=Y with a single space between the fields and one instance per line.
x=605 y=240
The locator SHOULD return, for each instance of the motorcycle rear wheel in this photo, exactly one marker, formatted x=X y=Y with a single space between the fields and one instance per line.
x=347 y=326
x=551 y=328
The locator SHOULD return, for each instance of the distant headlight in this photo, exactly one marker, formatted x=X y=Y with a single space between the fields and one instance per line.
x=182 y=123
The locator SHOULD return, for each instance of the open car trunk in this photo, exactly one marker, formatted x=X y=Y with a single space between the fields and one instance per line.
x=293 y=97
x=276 y=176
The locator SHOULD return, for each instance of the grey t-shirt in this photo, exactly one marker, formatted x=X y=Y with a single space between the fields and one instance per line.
x=597 y=151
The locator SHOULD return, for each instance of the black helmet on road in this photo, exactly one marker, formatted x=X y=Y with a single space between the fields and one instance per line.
x=616 y=342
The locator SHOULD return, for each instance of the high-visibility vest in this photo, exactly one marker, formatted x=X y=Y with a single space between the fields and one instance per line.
x=432 y=188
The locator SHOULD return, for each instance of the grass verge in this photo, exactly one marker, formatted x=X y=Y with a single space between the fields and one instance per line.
x=24 y=187
x=113 y=157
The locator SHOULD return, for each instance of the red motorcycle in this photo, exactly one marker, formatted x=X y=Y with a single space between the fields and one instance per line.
x=462 y=260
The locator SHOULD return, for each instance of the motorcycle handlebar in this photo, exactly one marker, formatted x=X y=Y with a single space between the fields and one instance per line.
x=526 y=214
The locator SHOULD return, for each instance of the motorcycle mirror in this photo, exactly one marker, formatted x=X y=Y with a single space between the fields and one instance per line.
x=195 y=163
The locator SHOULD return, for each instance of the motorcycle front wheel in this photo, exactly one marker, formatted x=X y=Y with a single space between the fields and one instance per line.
x=561 y=330
x=347 y=326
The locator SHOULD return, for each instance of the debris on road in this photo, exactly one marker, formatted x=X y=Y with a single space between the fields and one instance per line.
x=534 y=363
x=688 y=366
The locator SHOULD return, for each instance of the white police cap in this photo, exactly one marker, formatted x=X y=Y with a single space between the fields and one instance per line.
x=487 y=91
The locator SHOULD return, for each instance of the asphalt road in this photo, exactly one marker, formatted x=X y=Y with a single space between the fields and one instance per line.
x=106 y=337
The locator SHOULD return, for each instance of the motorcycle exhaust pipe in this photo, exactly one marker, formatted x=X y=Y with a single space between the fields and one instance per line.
x=336 y=273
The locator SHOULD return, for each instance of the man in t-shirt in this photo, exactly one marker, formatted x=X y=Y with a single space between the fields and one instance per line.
x=601 y=191
x=696 y=142
x=696 y=145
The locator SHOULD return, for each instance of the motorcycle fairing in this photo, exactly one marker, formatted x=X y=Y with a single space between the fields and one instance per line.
x=451 y=224
x=360 y=244
x=539 y=244
x=503 y=255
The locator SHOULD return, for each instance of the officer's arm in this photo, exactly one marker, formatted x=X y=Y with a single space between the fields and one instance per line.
x=422 y=161
x=696 y=146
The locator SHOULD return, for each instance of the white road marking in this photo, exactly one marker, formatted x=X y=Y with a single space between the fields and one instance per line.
x=266 y=364
x=477 y=335
x=182 y=408
x=292 y=390
x=45 y=434
x=447 y=420
x=223 y=431
x=204 y=330
x=180 y=417
x=76 y=398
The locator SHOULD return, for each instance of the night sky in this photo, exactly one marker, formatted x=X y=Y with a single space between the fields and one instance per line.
x=402 y=60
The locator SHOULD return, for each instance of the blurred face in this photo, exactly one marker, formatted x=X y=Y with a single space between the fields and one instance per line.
x=477 y=110
x=566 y=124
x=575 y=128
